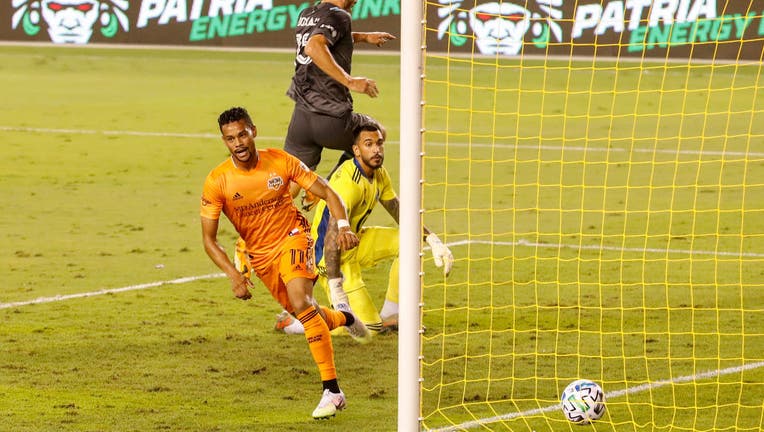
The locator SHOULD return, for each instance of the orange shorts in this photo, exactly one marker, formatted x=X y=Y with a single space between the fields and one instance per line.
x=297 y=259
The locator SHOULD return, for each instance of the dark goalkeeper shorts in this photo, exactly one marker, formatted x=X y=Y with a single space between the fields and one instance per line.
x=309 y=133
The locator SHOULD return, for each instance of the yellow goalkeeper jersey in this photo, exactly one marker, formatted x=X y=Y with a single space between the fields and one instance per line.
x=360 y=194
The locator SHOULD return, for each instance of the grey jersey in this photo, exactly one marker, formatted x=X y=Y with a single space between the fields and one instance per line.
x=311 y=87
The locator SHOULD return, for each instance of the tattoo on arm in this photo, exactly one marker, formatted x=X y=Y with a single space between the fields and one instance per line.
x=332 y=250
x=393 y=207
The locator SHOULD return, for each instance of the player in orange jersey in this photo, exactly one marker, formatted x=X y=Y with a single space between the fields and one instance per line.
x=252 y=189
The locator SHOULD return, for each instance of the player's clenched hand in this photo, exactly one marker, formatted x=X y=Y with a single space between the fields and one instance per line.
x=240 y=287
x=346 y=239
x=378 y=38
x=364 y=85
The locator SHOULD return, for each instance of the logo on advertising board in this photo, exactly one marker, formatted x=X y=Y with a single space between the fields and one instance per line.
x=500 y=27
x=510 y=28
x=169 y=21
x=70 y=21
x=490 y=27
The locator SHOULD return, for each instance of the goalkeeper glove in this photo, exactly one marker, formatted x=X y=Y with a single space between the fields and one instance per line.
x=440 y=253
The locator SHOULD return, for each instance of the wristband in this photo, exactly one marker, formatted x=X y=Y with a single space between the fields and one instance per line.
x=342 y=223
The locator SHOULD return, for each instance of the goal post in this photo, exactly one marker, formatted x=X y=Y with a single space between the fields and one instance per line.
x=597 y=169
x=410 y=217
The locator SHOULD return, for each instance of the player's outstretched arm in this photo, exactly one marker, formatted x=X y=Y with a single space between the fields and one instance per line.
x=373 y=38
x=239 y=284
x=318 y=50
x=338 y=236
x=441 y=254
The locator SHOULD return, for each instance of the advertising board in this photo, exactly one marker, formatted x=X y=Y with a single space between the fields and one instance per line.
x=695 y=29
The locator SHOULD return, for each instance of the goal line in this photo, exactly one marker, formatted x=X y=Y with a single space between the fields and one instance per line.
x=608 y=395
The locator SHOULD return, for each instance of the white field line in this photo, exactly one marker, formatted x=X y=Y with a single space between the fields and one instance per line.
x=608 y=395
x=526 y=243
x=438 y=144
x=372 y=52
x=519 y=243
x=58 y=298
x=111 y=132
x=94 y=47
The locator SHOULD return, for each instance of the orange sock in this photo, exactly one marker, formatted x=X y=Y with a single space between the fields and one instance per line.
x=319 y=342
x=334 y=318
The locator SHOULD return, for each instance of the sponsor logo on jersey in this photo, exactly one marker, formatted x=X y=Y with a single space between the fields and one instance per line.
x=307 y=21
x=275 y=182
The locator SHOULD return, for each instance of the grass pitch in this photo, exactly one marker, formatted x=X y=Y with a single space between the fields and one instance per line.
x=571 y=265
x=103 y=159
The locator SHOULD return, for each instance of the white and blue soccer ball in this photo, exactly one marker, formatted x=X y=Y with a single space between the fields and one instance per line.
x=583 y=401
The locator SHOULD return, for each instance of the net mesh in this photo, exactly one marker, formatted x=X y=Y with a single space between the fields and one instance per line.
x=602 y=191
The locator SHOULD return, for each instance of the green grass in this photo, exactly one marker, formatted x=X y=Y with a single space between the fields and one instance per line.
x=564 y=176
x=91 y=210
x=176 y=358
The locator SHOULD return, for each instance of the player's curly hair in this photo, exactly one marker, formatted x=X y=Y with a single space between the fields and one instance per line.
x=233 y=115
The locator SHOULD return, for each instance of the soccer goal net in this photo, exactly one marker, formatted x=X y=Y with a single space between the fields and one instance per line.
x=597 y=169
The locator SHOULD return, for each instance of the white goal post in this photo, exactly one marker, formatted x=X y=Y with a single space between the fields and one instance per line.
x=410 y=216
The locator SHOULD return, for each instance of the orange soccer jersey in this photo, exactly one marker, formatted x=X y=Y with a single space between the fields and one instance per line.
x=258 y=203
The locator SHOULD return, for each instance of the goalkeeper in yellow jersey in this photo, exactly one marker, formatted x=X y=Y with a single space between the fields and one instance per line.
x=361 y=183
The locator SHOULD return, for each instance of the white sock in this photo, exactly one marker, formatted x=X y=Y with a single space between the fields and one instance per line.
x=389 y=309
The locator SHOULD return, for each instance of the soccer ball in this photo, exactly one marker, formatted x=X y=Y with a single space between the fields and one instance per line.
x=583 y=401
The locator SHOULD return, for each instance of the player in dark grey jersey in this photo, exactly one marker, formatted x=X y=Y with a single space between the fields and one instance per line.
x=322 y=83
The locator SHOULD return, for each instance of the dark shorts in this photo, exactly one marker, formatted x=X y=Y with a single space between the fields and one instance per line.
x=309 y=133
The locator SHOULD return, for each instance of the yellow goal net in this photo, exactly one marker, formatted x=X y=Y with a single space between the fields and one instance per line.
x=597 y=169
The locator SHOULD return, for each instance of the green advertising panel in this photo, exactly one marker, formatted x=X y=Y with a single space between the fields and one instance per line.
x=230 y=23
x=702 y=29
x=698 y=29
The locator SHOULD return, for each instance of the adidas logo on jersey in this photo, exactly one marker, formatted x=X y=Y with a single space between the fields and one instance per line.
x=237 y=196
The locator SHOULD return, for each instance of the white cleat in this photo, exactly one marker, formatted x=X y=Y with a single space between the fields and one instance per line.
x=329 y=405
x=358 y=329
